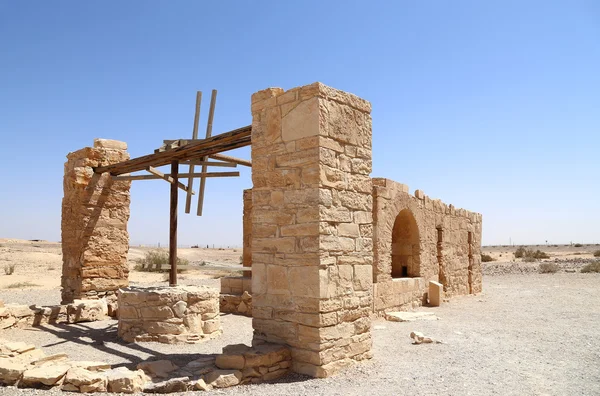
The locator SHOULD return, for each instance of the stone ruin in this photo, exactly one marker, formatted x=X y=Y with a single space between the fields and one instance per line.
x=325 y=247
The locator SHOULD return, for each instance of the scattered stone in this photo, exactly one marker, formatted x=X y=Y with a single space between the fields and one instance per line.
x=46 y=375
x=157 y=368
x=201 y=385
x=91 y=365
x=409 y=316
x=169 y=386
x=179 y=308
x=124 y=380
x=420 y=338
x=223 y=378
x=10 y=371
x=52 y=359
x=85 y=380
x=87 y=311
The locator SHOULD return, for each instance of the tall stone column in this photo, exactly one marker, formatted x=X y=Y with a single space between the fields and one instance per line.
x=95 y=211
x=312 y=249
x=247 y=232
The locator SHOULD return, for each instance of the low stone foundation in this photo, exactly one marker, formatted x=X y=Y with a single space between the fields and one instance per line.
x=169 y=314
x=26 y=366
x=23 y=316
x=402 y=294
x=236 y=295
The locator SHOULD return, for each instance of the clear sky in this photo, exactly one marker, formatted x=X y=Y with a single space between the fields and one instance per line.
x=493 y=106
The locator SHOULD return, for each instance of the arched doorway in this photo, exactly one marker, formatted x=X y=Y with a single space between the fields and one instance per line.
x=406 y=261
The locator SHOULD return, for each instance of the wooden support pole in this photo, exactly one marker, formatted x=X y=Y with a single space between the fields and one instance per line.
x=154 y=177
x=211 y=114
x=188 y=198
x=217 y=144
x=173 y=225
x=168 y=178
x=209 y=163
x=234 y=160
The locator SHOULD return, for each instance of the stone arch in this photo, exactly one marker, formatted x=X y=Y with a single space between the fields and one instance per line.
x=406 y=246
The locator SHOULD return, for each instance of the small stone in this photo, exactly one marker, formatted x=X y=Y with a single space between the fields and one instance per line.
x=223 y=378
x=46 y=375
x=91 y=365
x=11 y=371
x=242 y=308
x=201 y=385
x=227 y=361
x=111 y=144
x=58 y=357
x=125 y=381
x=169 y=386
x=157 y=368
x=409 y=316
x=86 y=380
x=179 y=308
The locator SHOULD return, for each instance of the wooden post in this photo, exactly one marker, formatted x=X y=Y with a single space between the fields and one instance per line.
x=211 y=114
x=173 y=225
x=188 y=198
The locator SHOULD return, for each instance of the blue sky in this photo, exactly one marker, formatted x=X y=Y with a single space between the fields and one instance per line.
x=491 y=106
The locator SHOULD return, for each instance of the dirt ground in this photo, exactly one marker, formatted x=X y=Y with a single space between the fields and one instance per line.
x=39 y=263
x=526 y=334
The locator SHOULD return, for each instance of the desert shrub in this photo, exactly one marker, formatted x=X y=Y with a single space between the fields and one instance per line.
x=154 y=259
x=538 y=254
x=9 y=269
x=529 y=255
x=591 y=267
x=578 y=245
x=194 y=247
x=548 y=268
x=597 y=253
x=486 y=258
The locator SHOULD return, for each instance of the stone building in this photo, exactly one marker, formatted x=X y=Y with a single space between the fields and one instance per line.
x=326 y=247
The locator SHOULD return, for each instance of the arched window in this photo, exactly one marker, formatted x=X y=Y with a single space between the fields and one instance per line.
x=406 y=261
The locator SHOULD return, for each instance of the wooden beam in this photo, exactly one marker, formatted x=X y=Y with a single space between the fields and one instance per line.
x=226 y=141
x=154 y=177
x=173 y=225
x=209 y=163
x=234 y=160
x=211 y=114
x=188 y=198
x=158 y=174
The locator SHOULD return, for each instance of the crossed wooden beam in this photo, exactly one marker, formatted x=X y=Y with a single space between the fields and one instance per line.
x=192 y=152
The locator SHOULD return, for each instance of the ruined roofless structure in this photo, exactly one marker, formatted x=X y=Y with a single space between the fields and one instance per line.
x=326 y=246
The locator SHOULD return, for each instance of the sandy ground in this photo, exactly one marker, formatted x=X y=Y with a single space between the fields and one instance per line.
x=40 y=263
x=524 y=335
x=532 y=334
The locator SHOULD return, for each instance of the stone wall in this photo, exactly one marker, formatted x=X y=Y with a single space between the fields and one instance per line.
x=247 y=232
x=169 y=314
x=448 y=246
x=95 y=211
x=236 y=295
x=312 y=225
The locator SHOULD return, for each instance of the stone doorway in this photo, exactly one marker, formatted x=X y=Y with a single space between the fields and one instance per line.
x=406 y=261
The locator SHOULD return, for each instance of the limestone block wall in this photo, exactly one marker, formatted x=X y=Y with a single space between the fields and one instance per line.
x=312 y=225
x=247 y=232
x=449 y=239
x=95 y=211
x=169 y=314
x=236 y=295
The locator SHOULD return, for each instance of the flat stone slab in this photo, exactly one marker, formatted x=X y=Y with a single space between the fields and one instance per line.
x=409 y=316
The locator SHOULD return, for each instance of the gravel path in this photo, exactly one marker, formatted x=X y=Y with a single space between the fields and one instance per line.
x=525 y=335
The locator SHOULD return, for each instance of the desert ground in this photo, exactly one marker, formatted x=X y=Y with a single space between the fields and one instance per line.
x=526 y=334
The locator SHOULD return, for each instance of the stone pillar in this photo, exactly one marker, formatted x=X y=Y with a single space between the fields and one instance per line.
x=95 y=211
x=247 y=232
x=312 y=249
